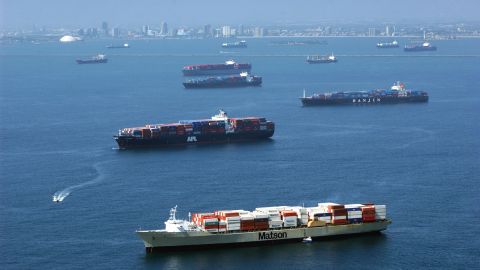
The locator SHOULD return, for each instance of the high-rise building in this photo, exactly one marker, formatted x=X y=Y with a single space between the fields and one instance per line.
x=241 y=30
x=105 y=28
x=387 y=30
x=164 y=29
x=207 y=31
x=115 y=32
x=226 y=31
x=259 y=32
x=145 y=29
x=372 y=32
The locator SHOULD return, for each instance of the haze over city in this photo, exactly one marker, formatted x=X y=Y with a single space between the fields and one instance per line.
x=58 y=13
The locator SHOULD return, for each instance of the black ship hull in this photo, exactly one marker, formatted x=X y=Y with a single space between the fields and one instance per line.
x=102 y=61
x=321 y=61
x=125 y=142
x=387 y=46
x=362 y=101
x=190 y=85
x=215 y=71
x=420 y=49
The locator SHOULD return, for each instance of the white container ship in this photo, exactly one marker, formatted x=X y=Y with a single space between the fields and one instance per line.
x=264 y=226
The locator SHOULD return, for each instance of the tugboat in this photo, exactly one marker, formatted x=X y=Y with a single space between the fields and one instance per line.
x=239 y=44
x=242 y=80
x=123 y=46
x=426 y=46
x=98 y=59
x=318 y=59
x=387 y=45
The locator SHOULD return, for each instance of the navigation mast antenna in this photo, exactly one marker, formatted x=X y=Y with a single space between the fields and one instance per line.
x=304 y=95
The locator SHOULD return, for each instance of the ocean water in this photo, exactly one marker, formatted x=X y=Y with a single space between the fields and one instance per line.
x=57 y=119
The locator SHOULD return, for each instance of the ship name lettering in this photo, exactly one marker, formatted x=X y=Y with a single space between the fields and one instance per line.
x=191 y=139
x=272 y=235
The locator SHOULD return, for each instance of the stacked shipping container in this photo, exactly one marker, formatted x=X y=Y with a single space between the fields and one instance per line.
x=277 y=217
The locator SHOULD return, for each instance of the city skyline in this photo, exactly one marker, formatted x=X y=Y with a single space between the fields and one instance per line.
x=56 y=13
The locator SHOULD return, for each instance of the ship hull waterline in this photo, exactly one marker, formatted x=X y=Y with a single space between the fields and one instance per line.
x=160 y=241
x=363 y=101
x=125 y=142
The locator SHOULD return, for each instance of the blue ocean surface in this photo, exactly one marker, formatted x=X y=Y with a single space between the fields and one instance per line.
x=57 y=120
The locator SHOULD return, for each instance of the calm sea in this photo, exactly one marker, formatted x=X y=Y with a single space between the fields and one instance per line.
x=57 y=119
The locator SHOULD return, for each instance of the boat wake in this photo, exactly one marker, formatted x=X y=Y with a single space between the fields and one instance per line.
x=60 y=195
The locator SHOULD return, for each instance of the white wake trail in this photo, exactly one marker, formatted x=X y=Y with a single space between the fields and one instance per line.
x=60 y=195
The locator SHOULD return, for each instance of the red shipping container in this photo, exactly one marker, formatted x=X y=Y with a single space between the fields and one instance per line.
x=287 y=213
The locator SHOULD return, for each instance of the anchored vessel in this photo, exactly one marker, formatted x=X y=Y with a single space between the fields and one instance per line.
x=238 y=44
x=426 y=46
x=242 y=80
x=229 y=67
x=265 y=225
x=123 y=46
x=318 y=59
x=397 y=94
x=98 y=59
x=386 y=45
x=219 y=129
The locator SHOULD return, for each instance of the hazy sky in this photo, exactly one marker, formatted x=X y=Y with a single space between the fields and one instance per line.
x=25 y=13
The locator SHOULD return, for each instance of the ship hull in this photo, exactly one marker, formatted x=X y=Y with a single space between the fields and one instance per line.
x=321 y=61
x=189 y=85
x=102 y=61
x=161 y=241
x=125 y=142
x=362 y=101
x=230 y=71
x=387 y=46
x=420 y=49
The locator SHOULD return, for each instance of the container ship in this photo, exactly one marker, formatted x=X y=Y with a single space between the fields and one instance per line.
x=123 y=46
x=387 y=45
x=426 y=46
x=98 y=59
x=397 y=94
x=264 y=226
x=238 y=44
x=219 y=129
x=229 y=67
x=318 y=59
x=242 y=80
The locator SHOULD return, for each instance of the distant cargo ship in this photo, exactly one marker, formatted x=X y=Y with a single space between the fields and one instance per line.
x=319 y=59
x=386 y=45
x=123 y=46
x=264 y=226
x=98 y=59
x=242 y=80
x=219 y=129
x=397 y=94
x=229 y=67
x=426 y=46
x=238 y=44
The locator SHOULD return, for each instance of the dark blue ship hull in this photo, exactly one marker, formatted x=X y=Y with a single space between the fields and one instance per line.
x=420 y=49
x=192 y=85
x=310 y=101
x=199 y=72
x=101 y=61
x=125 y=142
